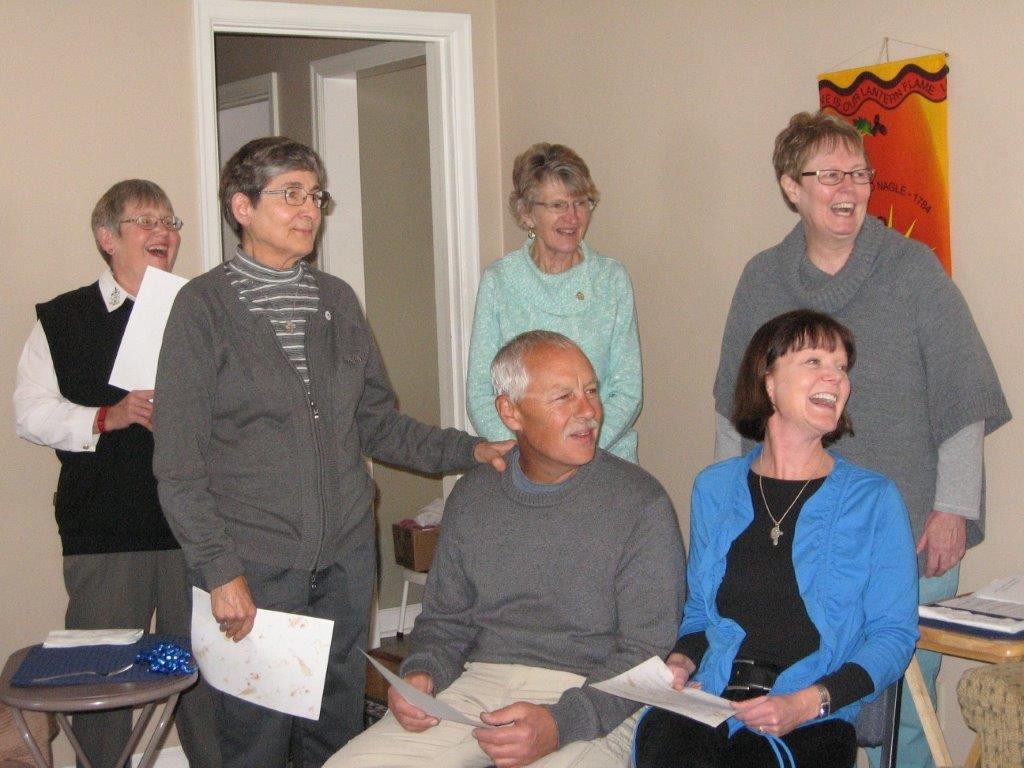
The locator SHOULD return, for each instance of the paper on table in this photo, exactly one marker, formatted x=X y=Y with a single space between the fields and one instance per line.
x=425 y=701
x=999 y=607
x=281 y=664
x=1009 y=589
x=76 y=638
x=135 y=365
x=651 y=683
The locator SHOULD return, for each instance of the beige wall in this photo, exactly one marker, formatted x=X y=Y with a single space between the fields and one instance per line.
x=674 y=105
x=398 y=248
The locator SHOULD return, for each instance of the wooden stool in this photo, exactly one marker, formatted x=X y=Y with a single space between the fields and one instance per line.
x=92 y=697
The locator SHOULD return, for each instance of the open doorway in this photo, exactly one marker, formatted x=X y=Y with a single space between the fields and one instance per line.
x=449 y=258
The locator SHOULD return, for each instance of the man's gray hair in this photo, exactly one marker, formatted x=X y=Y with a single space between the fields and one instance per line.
x=508 y=371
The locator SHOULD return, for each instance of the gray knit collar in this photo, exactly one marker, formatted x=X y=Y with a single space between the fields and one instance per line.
x=547 y=498
x=817 y=289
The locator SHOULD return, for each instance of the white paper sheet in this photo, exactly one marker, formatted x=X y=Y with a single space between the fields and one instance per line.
x=135 y=365
x=281 y=664
x=999 y=607
x=651 y=683
x=75 y=638
x=425 y=701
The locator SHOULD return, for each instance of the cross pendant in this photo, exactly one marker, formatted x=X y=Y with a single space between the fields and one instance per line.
x=776 y=534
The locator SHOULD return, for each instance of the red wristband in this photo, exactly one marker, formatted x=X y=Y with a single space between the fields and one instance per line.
x=101 y=419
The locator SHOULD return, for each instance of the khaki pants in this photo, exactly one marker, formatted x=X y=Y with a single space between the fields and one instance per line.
x=482 y=687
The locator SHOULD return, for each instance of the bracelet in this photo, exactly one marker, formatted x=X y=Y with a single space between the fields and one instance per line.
x=824 y=700
x=101 y=419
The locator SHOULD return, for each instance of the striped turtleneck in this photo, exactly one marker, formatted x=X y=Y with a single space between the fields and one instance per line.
x=285 y=297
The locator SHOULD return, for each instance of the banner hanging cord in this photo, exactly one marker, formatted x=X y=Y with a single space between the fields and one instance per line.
x=883 y=52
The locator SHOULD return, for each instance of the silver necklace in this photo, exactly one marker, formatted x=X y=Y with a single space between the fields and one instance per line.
x=290 y=323
x=776 y=532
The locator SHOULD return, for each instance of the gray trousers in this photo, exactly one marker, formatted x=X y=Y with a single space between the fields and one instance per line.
x=251 y=735
x=124 y=589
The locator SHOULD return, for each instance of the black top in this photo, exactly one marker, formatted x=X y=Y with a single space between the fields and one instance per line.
x=760 y=593
x=106 y=500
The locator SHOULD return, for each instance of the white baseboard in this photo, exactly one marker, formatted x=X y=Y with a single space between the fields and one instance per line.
x=169 y=757
x=387 y=620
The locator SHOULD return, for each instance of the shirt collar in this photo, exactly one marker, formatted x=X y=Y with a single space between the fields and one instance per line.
x=113 y=294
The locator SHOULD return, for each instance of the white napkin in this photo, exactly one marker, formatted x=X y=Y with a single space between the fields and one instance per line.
x=73 y=638
x=431 y=514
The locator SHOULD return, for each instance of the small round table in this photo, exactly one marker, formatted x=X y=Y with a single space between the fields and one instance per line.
x=64 y=699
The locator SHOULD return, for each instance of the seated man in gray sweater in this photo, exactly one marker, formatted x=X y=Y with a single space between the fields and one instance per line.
x=566 y=569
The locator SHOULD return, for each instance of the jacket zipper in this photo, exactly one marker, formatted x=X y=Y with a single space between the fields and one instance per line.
x=314 y=413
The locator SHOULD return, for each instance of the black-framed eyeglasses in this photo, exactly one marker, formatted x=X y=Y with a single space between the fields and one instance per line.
x=297 y=196
x=832 y=176
x=561 y=206
x=173 y=223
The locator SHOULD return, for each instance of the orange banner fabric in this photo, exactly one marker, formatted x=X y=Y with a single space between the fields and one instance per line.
x=900 y=108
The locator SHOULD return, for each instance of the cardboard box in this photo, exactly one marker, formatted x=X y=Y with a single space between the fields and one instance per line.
x=414 y=547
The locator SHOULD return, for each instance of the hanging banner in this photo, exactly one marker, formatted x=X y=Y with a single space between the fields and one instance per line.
x=900 y=108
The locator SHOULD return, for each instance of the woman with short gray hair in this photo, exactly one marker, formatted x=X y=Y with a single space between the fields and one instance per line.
x=556 y=282
x=272 y=392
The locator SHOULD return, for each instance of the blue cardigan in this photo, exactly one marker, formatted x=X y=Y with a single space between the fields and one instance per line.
x=855 y=567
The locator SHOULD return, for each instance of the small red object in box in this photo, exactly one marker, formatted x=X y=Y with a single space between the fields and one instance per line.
x=414 y=547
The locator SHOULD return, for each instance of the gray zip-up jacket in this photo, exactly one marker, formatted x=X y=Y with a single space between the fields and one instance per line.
x=249 y=466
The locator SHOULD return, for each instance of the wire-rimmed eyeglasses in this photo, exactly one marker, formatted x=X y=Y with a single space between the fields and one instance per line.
x=832 y=176
x=561 y=206
x=150 y=222
x=297 y=196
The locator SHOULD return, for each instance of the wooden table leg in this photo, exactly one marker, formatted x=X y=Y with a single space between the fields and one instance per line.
x=28 y=738
x=926 y=714
x=974 y=756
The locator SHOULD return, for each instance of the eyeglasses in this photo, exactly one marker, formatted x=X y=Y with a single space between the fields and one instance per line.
x=150 y=222
x=297 y=196
x=561 y=206
x=832 y=176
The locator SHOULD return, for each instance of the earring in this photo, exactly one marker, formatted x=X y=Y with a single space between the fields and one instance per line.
x=530 y=233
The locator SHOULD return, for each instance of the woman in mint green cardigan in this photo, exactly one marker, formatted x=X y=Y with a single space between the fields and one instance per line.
x=556 y=282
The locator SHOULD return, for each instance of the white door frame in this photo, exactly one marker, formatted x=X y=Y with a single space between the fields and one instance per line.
x=448 y=38
x=335 y=121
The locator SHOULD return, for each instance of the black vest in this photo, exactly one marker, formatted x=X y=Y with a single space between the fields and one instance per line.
x=106 y=500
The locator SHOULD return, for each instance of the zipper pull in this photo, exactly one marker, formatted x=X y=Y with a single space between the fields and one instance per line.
x=316 y=410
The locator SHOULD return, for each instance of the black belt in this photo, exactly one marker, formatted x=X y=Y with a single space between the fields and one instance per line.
x=750 y=678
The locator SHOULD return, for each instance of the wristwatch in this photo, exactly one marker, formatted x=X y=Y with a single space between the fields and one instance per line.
x=824 y=700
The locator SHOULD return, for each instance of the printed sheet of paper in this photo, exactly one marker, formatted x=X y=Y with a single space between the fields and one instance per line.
x=425 y=701
x=651 y=683
x=281 y=664
x=999 y=607
x=135 y=365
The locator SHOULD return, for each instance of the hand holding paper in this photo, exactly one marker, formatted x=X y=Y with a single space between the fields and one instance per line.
x=651 y=683
x=281 y=664
x=424 y=701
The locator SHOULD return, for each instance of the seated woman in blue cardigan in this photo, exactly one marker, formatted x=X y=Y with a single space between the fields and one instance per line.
x=802 y=575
